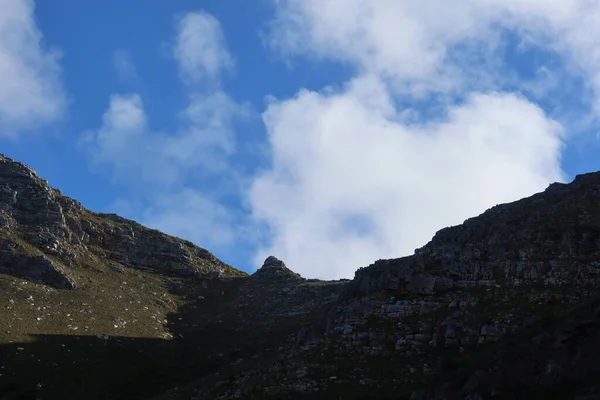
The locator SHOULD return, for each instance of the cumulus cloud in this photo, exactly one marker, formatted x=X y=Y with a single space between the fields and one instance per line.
x=435 y=126
x=124 y=131
x=205 y=137
x=351 y=182
x=200 y=47
x=201 y=146
x=417 y=44
x=30 y=87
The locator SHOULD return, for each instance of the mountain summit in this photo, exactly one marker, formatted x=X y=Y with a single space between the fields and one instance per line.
x=273 y=268
x=96 y=306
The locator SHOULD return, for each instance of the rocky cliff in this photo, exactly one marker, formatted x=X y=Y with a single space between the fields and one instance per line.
x=95 y=306
x=44 y=235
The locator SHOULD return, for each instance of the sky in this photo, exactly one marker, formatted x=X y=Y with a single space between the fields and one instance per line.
x=329 y=133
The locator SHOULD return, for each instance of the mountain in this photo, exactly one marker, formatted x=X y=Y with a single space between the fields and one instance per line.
x=96 y=306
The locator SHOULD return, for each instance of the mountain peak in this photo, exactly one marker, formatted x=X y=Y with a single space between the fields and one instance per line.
x=274 y=268
x=273 y=262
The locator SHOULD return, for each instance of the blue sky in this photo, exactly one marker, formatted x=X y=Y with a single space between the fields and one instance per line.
x=327 y=133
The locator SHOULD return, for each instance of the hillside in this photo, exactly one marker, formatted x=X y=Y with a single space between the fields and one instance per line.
x=96 y=306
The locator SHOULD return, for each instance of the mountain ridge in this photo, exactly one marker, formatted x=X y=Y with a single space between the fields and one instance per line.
x=504 y=304
x=58 y=231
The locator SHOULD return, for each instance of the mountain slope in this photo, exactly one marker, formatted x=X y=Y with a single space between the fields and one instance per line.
x=44 y=233
x=502 y=279
x=99 y=307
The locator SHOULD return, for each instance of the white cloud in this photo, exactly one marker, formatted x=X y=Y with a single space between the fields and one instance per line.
x=200 y=48
x=30 y=88
x=125 y=67
x=125 y=114
x=124 y=132
x=415 y=43
x=135 y=153
x=401 y=39
x=352 y=182
x=356 y=177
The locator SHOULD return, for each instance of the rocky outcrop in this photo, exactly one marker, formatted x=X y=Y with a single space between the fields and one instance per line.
x=551 y=238
x=53 y=231
x=18 y=262
x=274 y=269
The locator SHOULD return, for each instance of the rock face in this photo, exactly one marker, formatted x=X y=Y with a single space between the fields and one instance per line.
x=44 y=234
x=504 y=305
x=550 y=238
x=459 y=311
